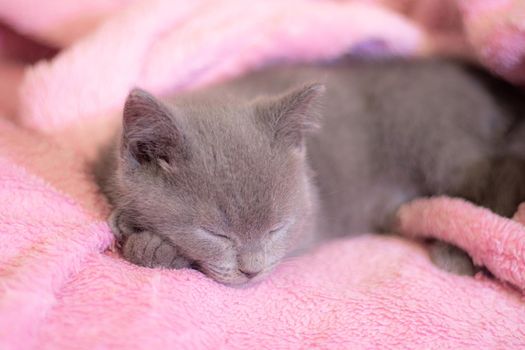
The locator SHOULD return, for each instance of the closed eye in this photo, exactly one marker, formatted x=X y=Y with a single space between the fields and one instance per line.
x=277 y=229
x=213 y=233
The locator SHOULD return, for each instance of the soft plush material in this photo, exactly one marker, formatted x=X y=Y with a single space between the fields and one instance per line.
x=62 y=285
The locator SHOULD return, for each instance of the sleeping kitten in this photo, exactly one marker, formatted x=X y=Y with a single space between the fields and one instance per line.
x=232 y=178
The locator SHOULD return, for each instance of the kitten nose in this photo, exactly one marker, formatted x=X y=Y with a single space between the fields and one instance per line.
x=250 y=274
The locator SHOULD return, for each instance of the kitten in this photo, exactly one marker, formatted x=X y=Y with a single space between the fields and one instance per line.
x=232 y=178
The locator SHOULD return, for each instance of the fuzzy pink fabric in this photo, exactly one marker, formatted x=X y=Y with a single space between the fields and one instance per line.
x=62 y=286
x=142 y=46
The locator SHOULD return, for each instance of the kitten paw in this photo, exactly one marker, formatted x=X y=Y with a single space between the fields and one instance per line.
x=121 y=227
x=114 y=225
x=150 y=250
x=112 y=222
x=451 y=259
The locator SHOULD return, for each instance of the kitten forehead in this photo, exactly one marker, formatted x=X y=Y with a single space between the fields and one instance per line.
x=282 y=119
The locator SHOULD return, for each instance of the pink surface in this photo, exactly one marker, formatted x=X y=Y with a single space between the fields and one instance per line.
x=61 y=286
x=143 y=46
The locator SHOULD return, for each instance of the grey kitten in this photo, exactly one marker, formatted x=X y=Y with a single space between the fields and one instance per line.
x=232 y=178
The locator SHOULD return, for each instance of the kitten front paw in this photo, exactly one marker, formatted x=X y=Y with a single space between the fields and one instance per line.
x=150 y=250
x=118 y=226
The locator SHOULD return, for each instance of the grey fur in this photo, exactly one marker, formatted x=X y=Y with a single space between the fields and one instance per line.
x=223 y=179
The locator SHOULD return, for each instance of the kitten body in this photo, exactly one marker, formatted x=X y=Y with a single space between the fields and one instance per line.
x=230 y=179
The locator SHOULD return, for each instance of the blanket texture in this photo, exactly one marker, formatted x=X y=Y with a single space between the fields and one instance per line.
x=62 y=286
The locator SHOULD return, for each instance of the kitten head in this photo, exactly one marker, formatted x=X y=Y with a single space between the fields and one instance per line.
x=226 y=183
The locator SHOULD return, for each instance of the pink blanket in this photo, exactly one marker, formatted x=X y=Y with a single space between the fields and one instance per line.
x=62 y=286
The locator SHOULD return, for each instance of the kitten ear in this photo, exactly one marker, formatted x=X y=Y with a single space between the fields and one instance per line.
x=293 y=114
x=149 y=131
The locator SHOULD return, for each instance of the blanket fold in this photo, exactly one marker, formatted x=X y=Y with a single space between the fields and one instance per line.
x=492 y=241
